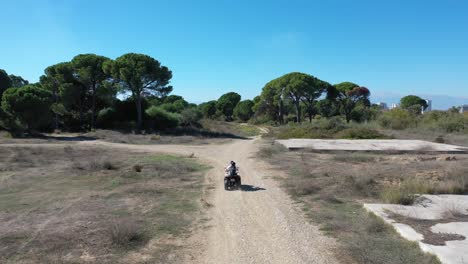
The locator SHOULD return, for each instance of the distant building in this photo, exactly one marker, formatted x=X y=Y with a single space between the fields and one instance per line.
x=394 y=105
x=429 y=106
x=464 y=109
x=383 y=105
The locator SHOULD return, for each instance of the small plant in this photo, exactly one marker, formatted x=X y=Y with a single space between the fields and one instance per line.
x=397 y=196
x=125 y=232
x=137 y=168
x=108 y=165
x=360 y=133
x=155 y=137
x=439 y=139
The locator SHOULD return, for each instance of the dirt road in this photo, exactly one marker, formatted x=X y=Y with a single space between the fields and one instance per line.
x=259 y=224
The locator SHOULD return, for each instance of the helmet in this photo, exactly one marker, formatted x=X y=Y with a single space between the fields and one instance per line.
x=233 y=163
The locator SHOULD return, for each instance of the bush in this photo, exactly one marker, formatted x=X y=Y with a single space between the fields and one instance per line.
x=29 y=104
x=107 y=117
x=191 y=117
x=359 y=133
x=333 y=123
x=161 y=119
x=126 y=232
x=303 y=132
x=397 y=119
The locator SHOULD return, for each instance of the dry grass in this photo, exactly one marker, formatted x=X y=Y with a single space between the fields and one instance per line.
x=332 y=187
x=70 y=204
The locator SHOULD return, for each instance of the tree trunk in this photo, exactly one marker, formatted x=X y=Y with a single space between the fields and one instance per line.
x=280 y=114
x=298 y=111
x=93 y=105
x=348 y=116
x=56 y=115
x=139 y=113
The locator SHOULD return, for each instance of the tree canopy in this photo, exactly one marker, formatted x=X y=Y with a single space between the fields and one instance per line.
x=413 y=103
x=243 y=110
x=5 y=82
x=349 y=95
x=140 y=75
x=18 y=81
x=88 y=72
x=226 y=104
x=30 y=104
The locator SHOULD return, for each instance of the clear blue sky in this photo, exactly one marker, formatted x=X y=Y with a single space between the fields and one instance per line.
x=391 y=47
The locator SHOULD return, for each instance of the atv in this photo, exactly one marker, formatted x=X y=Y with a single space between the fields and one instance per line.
x=233 y=180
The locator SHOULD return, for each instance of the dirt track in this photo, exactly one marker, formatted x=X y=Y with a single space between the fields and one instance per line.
x=259 y=224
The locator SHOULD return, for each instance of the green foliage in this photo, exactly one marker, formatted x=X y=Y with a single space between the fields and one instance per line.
x=208 y=109
x=17 y=81
x=89 y=73
x=107 y=117
x=327 y=107
x=397 y=119
x=226 y=104
x=243 y=110
x=191 y=117
x=175 y=107
x=413 y=103
x=30 y=104
x=363 y=113
x=300 y=89
x=139 y=75
x=446 y=121
x=5 y=82
x=360 y=133
x=161 y=119
x=350 y=95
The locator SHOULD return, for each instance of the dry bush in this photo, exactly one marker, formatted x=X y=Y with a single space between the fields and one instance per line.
x=137 y=168
x=108 y=165
x=125 y=232
x=397 y=195
x=269 y=151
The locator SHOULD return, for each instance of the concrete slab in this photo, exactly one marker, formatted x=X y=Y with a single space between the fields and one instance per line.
x=433 y=207
x=392 y=145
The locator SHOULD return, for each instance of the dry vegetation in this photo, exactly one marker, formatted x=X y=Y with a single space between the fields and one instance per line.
x=332 y=187
x=70 y=204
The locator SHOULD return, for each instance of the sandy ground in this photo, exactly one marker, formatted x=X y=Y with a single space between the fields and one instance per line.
x=259 y=224
x=371 y=145
x=433 y=207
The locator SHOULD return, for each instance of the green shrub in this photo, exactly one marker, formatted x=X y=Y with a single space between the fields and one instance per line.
x=397 y=119
x=161 y=119
x=29 y=104
x=191 y=117
x=107 y=117
x=360 y=133
x=303 y=132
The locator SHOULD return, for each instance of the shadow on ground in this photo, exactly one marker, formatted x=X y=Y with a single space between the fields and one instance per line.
x=67 y=138
x=251 y=188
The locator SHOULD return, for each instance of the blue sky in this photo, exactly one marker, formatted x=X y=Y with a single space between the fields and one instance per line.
x=392 y=47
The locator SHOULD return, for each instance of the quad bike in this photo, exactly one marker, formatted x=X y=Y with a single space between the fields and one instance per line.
x=233 y=180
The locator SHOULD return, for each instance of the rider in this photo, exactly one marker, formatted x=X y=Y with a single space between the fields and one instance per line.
x=231 y=165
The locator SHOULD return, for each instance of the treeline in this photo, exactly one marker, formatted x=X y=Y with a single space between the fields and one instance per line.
x=133 y=93
x=297 y=96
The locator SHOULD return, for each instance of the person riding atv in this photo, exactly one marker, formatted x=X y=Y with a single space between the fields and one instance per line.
x=232 y=178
